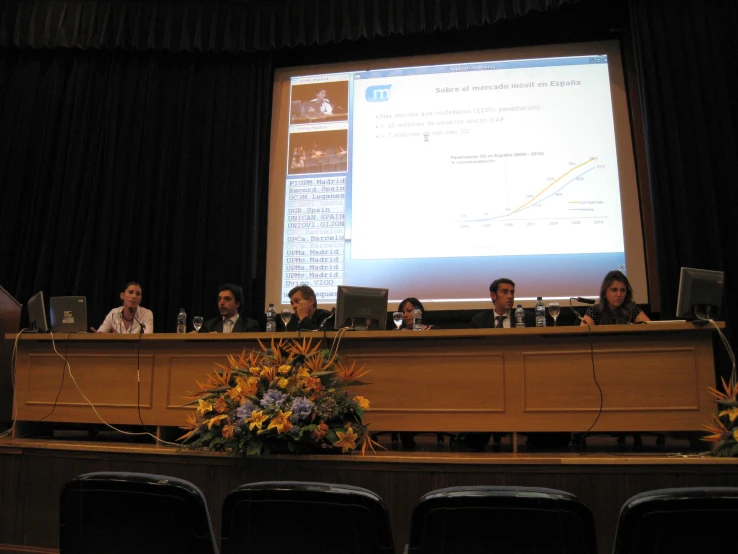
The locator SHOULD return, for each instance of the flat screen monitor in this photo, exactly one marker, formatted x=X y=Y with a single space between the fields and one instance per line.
x=700 y=293
x=37 y=313
x=361 y=308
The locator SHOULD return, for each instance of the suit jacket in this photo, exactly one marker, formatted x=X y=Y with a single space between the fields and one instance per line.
x=242 y=325
x=486 y=320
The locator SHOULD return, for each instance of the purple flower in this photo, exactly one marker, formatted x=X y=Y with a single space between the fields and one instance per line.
x=244 y=411
x=273 y=399
x=300 y=408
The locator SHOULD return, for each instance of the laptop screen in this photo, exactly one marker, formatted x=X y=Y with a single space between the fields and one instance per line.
x=68 y=314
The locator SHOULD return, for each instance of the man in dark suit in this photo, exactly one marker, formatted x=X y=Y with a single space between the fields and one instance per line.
x=307 y=316
x=502 y=293
x=230 y=298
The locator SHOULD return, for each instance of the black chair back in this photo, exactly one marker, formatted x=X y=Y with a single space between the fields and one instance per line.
x=504 y=520
x=678 y=520
x=289 y=516
x=118 y=512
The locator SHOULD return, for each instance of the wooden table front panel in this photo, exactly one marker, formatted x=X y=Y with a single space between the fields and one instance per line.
x=652 y=379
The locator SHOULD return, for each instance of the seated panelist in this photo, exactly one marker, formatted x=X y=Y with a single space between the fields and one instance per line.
x=230 y=298
x=131 y=317
x=407 y=307
x=616 y=304
x=307 y=316
x=502 y=316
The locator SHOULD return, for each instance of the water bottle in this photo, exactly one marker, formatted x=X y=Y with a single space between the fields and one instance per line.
x=182 y=321
x=271 y=326
x=417 y=319
x=540 y=313
x=520 y=316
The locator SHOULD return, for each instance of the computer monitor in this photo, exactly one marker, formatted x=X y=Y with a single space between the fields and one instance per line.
x=37 y=313
x=700 y=293
x=361 y=308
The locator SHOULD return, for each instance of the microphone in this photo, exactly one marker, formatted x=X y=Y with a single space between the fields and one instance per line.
x=133 y=313
x=333 y=314
x=584 y=300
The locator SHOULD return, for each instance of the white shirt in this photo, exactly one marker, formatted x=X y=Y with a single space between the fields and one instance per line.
x=113 y=322
x=506 y=323
x=228 y=328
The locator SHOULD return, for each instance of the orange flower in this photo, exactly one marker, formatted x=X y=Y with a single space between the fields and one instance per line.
x=281 y=422
x=228 y=431
x=719 y=432
x=320 y=431
x=192 y=426
x=350 y=373
x=346 y=440
x=220 y=405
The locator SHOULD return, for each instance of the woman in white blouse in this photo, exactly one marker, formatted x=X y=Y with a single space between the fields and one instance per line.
x=131 y=317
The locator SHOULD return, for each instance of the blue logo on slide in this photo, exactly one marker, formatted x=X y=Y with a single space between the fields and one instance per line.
x=378 y=93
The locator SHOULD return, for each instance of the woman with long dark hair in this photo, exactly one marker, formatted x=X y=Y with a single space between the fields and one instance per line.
x=616 y=304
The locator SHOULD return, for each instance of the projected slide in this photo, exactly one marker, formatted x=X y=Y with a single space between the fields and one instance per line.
x=463 y=171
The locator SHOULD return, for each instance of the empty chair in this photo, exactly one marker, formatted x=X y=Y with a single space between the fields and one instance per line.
x=322 y=518
x=118 y=512
x=678 y=520
x=501 y=520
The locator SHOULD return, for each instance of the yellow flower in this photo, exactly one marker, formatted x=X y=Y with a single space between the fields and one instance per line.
x=346 y=440
x=204 y=407
x=284 y=369
x=256 y=420
x=281 y=422
x=732 y=414
x=362 y=402
x=236 y=394
x=282 y=383
x=255 y=370
x=213 y=420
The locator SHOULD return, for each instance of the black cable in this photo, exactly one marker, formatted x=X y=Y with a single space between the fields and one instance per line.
x=141 y=329
x=61 y=386
x=582 y=438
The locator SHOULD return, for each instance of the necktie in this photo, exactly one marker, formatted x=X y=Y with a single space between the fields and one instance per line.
x=499 y=319
x=227 y=325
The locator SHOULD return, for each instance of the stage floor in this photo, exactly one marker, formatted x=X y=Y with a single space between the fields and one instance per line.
x=603 y=475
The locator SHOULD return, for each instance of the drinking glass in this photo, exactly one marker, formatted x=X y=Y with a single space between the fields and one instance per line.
x=286 y=315
x=397 y=318
x=197 y=322
x=554 y=310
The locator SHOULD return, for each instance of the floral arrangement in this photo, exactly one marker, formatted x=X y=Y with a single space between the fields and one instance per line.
x=725 y=428
x=289 y=397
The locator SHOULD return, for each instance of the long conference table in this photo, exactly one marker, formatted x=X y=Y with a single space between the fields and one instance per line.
x=625 y=377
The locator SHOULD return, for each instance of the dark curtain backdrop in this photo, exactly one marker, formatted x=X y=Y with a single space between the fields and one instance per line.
x=125 y=166
x=134 y=134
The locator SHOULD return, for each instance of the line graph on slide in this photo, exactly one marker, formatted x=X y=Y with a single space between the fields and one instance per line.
x=559 y=197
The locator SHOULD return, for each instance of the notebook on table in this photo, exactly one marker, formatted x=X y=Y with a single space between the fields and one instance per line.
x=68 y=314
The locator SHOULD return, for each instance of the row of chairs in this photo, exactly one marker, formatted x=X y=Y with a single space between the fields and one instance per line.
x=143 y=513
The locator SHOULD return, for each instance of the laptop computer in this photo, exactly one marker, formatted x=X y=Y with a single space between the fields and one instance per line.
x=68 y=314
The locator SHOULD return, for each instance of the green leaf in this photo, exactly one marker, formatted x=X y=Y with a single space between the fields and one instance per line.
x=359 y=411
x=734 y=450
x=331 y=435
x=254 y=448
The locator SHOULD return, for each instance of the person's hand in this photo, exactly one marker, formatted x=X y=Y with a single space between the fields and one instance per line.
x=303 y=309
x=93 y=329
